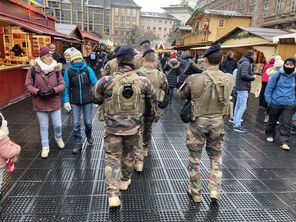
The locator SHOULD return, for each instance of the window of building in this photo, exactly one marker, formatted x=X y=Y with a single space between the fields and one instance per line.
x=148 y=27
x=165 y=29
x=221 y=23
x=164 y=36
x=165 y=22
x=278 y=6
x=160 y=21
x=159 y=28
x=134 y=12
x=154 y=28
x=293 y=5
x=265 y=9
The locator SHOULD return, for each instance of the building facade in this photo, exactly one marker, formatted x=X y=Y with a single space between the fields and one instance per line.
x=125 y=14
x=182 y=12
x=265 y=13
x=159 y=23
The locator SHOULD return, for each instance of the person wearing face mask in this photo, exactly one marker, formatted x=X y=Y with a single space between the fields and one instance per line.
x=45 y=82
x=79 y=79
x=280 y=95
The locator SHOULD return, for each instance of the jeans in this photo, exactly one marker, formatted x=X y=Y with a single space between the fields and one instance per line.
x=286 y=113
x=171 y=94
x=87 y=117
x=43 y=124
x=240 y=107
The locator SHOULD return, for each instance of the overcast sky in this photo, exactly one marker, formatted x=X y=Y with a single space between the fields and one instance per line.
x=154 y=5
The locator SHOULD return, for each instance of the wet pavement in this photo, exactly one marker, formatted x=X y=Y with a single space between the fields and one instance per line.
x=259 y=179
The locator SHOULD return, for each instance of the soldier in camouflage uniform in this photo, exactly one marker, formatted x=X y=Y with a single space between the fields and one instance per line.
x=209 y=93
x=125 y=96
x=111 y=66
x=160 y=84
x=145 y=45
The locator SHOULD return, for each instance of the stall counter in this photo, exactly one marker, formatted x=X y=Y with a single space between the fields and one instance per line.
x=12 y=79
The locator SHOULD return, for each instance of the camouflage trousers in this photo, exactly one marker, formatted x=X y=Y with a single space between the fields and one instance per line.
x=119 y=160
x=208 y=132
x=146 y=135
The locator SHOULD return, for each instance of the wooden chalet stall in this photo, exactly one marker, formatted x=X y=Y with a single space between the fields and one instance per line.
x=29 y=28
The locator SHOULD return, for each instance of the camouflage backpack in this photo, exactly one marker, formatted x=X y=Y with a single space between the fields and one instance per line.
x=211 y=94
x=155 y=78
x=126 y=99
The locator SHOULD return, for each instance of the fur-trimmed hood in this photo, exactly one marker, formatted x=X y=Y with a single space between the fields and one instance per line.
x=174 y=63
x=3 y=129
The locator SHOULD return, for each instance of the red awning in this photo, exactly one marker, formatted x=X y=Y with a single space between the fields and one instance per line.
x=33 y=28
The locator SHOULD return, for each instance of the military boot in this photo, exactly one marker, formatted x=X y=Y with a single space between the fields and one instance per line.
x=90 y=140
x=215 y=195
x=123 y=185
x=139 y=166
x=196 y=197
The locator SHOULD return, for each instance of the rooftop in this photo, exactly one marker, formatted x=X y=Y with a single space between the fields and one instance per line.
x=99 y=3
x=222 y=13
x=157 y=15
x=129 y=3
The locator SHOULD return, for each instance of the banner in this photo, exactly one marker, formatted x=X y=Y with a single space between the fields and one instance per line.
x=40 y=3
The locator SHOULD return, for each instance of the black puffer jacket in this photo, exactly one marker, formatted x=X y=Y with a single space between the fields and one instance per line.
x=191 y=68
x=245 y=74
x=172 y=70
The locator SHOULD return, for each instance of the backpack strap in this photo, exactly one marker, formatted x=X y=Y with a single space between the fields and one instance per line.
x=33 y=74
x=218 y=90
x=118 y=78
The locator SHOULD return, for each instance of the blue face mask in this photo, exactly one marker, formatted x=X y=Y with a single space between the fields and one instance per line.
x=77 y=64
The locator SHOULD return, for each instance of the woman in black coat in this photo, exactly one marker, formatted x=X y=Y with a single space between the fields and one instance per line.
x=172 y=70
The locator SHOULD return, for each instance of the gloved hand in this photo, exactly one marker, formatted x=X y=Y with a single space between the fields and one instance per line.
x=50 y=93
x=41 y=94
x=67 y=107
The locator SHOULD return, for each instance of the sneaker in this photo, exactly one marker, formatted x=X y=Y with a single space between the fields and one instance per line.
x=285 y=147
x=90 y=140
x=215 y=195
x=139 y=166
x=239 y=129
x=269 y=139
x=123 y=185
x=231 y=120
x=44 y=152
x=196 y=198
x=77 y=148
x=266 y=118
x=114 y=202
x=60 y=142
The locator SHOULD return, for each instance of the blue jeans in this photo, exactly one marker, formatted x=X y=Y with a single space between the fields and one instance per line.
x=87 y=117
x=43 y=124
x=240 y=107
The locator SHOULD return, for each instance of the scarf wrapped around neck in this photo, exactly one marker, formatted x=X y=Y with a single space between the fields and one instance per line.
x=46 y=68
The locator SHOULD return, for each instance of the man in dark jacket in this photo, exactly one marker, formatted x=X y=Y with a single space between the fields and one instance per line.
x=172 y=70
x=244 y=78
x=56 y=56
x=229 y=64
x=280 y=95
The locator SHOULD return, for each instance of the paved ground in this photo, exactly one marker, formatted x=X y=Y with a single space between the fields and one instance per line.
x=259 y=180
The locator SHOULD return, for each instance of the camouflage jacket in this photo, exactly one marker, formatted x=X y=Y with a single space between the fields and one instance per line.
x=122 y=125
x=139 y=63
x=110 y=68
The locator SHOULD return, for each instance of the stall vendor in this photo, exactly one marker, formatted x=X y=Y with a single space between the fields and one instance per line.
x=17 y=50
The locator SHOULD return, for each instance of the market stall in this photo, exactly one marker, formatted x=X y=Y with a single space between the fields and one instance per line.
x=23 y=30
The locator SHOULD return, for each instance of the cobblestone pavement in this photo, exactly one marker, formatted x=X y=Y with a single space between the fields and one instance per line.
x=259 y=180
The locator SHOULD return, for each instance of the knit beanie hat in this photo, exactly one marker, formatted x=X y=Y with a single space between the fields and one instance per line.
x=44 y=51
x=75 y=54
x=68 y=50
x=173 y=56
x=278 y=62
x=290 y=59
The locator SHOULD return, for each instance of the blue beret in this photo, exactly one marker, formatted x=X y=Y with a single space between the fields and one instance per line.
x=145 y=41
x=125 y=51
x=147 y=51
x=212 y=49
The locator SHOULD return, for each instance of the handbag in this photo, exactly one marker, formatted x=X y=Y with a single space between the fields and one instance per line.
x=165 y=102
x=186 y=112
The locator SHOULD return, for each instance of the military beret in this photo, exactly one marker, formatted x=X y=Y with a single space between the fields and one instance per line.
x=145 y=41
x=125 y=51
x=147 y=51
x=212 y=49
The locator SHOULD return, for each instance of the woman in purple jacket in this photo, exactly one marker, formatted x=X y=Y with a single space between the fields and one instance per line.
x=45 y=82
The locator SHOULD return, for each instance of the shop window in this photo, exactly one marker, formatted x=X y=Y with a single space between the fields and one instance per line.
x=278 y=6
x=221 y=23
